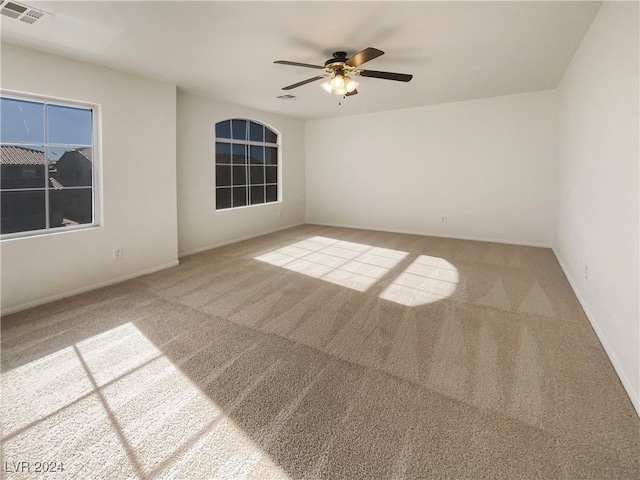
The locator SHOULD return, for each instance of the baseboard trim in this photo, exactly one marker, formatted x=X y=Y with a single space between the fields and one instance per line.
x=236 y=240
x=633 y=395
x=439 y=235
x=95 y=286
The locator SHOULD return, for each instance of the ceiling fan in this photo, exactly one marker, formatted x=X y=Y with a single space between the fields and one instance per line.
x=338 y=69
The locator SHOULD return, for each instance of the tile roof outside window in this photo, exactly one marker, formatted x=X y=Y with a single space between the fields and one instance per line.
x=14 y=155
x=86 y=152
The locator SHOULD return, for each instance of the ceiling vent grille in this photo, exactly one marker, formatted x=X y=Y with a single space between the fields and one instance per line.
x=21 y=12
x=287 y=97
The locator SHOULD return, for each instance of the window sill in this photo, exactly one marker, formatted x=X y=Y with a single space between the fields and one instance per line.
x=47 y=233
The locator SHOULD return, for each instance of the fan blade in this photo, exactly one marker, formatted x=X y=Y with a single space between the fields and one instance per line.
x=348 y=94
x=400 y=77
x=297 y=64
x=304 y=82
x=364 y=56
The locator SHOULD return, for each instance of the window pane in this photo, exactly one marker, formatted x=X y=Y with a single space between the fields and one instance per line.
x=270 y=136
x=272 y=193
x=34 y=196
x=223 y=198
x=223 y=129
x=239 y=175
x=257 y=175
x=244 y=170
x=70 y=206
x=239 y=129
x=69 y=125
x=56 y=218
x=223 y=152
x=22 y=167
x=71 y=166
x=223 y=175
x=239 y=154
x=22 y=121
x=257 y=154
x=257 y=195
x=239 y=196
x=271 y=174
x=271 y=155
x=256 y=132
x=22 y=211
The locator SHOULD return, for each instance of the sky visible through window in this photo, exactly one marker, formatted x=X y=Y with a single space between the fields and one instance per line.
x=23 y=122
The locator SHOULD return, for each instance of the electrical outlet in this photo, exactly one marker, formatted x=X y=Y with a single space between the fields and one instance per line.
x=586 y=273
x=117 y=253
x=443 y=219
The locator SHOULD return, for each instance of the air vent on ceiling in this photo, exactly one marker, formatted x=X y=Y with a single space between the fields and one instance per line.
x=21 y=12
x=287 y=97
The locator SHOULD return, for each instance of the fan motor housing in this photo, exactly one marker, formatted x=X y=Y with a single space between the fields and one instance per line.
x=338 y=57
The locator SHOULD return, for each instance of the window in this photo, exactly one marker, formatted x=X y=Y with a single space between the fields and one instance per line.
x=47 y=178
x=246 y=164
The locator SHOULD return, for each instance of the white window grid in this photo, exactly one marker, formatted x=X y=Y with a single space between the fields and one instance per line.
x=247 y=143
x=47 y=146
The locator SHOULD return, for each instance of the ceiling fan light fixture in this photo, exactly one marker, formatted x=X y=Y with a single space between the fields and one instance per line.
x=351 y=85
x=337 y=81
x=339 y=84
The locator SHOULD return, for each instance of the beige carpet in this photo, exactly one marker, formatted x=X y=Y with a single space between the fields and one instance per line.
x=320 y=353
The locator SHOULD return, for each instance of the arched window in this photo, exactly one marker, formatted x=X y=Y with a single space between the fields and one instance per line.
x=246 y=164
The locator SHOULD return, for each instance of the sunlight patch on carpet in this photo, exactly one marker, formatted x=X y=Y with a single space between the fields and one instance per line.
x=114 y=406
x=348 y=264
x=426 y=280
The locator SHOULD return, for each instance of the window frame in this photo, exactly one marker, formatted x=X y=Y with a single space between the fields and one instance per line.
x=96 y=161
x=247 y=143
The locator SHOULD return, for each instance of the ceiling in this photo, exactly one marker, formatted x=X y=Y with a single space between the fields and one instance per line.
x=455 y=50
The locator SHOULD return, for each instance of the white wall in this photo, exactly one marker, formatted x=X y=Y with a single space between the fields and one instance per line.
x=598 y=200
x=139 y=180
x=199 y=225
x=487 y=165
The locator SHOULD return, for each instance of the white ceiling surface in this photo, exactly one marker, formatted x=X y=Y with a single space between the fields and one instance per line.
x=455 y=50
